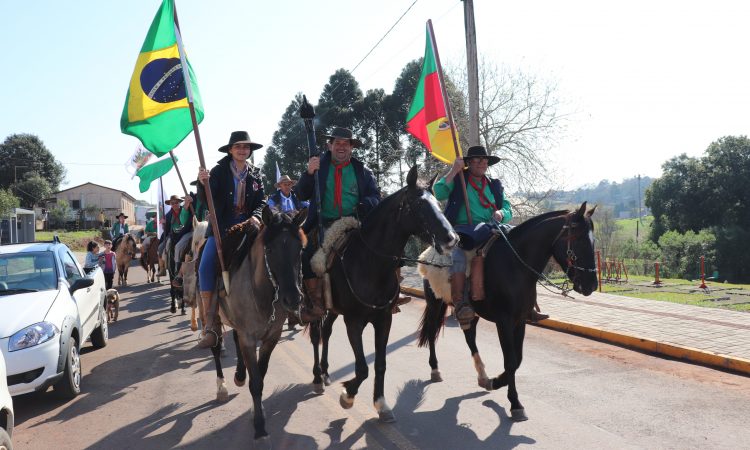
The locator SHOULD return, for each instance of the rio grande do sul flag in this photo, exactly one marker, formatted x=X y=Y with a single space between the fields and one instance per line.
x=427 y=119
x=156 y=108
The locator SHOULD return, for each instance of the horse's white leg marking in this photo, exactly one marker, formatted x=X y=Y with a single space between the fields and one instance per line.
x=482 y=377
x=222 y=394
x=345 y=401
x=384 y=411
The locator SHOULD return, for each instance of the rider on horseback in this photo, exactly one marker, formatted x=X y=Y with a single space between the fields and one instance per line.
x=347 y=189
x=119 y=229
x=150 y=231
x=486 y=202
x=237 y=191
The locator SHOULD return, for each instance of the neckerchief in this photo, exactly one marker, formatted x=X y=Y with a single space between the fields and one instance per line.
x=240 y=176
x=484 y=201
x=338 y=174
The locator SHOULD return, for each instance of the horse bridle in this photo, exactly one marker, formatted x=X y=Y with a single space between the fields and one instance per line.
x=275 y=285
x=571 y=256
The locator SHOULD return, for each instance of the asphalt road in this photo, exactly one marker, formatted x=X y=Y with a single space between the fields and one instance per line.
x=149 y=389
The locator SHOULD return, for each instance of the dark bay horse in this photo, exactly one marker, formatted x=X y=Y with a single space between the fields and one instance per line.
x=125 y=249
x=510 y=274
x=364 y=284
x=265 y=279
x=150 y=259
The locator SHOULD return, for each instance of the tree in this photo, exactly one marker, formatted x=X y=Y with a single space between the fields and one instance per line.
x=604 y=230
x=21 y=153
x=32 y=189
x=60 y=213
x=8 y=201
x=288 y=146
x=519 y=121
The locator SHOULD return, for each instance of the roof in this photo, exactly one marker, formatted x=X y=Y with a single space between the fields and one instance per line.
x=28 y=247
x=98 y=185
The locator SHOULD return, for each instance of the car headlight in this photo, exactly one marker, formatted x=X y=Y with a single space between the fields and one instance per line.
x=32 y=335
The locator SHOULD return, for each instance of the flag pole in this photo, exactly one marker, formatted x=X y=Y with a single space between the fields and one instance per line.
x=447 y=105
x=199 y=146
x=179 y=175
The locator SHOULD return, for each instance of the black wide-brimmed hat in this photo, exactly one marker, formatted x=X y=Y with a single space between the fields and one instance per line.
x=121 y=214
x=240 y=137
x=477 y=151
x=344 y=133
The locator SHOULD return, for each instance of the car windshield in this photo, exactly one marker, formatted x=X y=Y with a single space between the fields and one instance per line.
x=27 y=272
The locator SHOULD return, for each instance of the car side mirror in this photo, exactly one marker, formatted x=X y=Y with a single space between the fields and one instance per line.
x=80 y=284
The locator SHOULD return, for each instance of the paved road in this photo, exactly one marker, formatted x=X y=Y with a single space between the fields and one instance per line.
x=149 y=389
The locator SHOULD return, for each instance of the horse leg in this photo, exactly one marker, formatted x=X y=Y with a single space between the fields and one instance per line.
x=193 y=321
x=471 y=340
x=222 y=394
x=315 y=332
x=382 y=331
x=506 y=331
x=256 y=383
x=354 y=328
x=240 y=371
x=433 y=318
x=327 y=331
x=172 y=294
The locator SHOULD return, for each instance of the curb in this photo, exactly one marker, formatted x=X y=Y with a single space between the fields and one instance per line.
x=716 y=360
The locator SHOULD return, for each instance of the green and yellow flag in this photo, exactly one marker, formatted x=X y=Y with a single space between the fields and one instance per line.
x=156 y=108
x=427 y=119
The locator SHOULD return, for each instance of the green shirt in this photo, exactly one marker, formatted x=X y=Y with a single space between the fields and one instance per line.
x=443 y=189
x=118 y=230
x=349 y=194
x=151 y=226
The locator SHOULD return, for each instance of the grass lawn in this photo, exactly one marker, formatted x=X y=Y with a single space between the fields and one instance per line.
x=75 y=240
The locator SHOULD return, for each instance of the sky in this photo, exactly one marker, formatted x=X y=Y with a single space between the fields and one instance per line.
x=641 y=81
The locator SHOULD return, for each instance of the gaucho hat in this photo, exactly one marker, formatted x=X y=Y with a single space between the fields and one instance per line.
x=240 y=137
x=121 y=214
x=173 y=198
x=477 y=151
x=343 y=133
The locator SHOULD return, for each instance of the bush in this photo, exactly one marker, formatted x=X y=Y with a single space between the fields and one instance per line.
x=732 y=253
x=681 y=253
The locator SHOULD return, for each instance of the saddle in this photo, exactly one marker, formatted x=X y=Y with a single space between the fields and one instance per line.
x=336 y=238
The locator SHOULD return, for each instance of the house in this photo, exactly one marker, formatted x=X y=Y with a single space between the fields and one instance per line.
x=92 y=204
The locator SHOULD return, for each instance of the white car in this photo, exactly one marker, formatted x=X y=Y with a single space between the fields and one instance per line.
x=6 y=411
x=48 y=308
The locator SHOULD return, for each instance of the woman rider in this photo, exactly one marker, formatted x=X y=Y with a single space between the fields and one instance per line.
x=237 y=193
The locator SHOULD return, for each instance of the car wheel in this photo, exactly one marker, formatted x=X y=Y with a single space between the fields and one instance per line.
x=100 y=335
x=70 y=384
x=5 y=443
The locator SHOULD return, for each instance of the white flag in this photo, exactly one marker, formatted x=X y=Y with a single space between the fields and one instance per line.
x=138 y=159
x=278 y=172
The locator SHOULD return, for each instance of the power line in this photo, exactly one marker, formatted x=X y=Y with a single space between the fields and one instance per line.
x=384 y=36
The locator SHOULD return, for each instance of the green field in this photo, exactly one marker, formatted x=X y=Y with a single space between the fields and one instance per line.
x=75 y=240
x=626 y=228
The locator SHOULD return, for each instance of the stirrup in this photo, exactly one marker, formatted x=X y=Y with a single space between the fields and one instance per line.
x=201 y=343
x=464 y=313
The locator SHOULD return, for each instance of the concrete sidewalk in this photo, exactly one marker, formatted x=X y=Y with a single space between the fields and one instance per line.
x=714 y=337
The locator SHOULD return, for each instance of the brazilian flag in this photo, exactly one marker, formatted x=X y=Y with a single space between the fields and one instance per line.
x=156 y=108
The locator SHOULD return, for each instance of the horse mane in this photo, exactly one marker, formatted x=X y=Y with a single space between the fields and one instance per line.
x=536 y=220
x=238 y=242
x=125 y=239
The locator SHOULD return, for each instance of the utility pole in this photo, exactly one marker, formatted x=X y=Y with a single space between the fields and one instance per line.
x=472 y=71
x=638 y=222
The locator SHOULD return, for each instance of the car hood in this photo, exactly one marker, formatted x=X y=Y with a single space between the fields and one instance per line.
x=21 y=310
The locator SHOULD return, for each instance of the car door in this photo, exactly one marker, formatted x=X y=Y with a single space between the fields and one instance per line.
x=87 y=299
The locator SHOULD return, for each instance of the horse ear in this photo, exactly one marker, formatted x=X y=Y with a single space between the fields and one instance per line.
x=267 y=215
x=590 y=212
x=411 y=178
x=299 y=218
x=432 y=182
x=581 y=210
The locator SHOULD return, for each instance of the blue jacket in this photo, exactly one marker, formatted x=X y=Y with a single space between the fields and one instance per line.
x=222 y=190
x=369 y=196
x=275 y=200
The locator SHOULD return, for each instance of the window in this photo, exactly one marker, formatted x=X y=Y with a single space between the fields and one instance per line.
x=72 y=272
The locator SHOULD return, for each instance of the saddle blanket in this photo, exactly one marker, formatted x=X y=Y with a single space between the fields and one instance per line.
x=439 y=277
x=335 y=237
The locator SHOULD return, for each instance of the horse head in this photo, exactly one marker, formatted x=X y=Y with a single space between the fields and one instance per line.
x=282 y=249
x=420 y=214
x=574 y=250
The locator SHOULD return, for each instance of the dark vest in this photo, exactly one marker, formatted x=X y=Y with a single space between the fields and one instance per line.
x=276 y=197
x=456 y=199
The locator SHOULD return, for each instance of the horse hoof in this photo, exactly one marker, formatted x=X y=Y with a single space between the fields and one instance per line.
x=193 y=327
x=237 y=381
x=222 y=394
x=183 y=313
x=318 y=388
x=386 y=416
x=435 y=376
x=263 y=442
x=173 y=309
x=345 y=400
x=485 y=383
x=327 y=380
x=518 y=415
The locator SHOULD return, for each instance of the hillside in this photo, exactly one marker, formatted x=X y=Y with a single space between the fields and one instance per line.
x=622 y=197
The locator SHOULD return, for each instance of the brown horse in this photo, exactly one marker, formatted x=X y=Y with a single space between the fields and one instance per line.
x=126 y=250
x=150 y=260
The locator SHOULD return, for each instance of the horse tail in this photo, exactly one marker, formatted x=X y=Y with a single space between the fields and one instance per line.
x=433 y=318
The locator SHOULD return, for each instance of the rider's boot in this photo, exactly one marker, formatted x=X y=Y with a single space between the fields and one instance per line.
x=477 y=278
x=461 y=307
x=535 y=315
x=314 y=289
x=212 y=329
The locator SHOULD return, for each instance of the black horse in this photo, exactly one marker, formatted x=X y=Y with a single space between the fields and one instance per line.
x=175 y=290
x=364 y=283
x=511 y=273
x=265 y=278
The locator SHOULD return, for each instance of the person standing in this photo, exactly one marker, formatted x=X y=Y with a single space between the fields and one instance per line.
x=237 y=193
x=108 y=262
x=347 y=189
